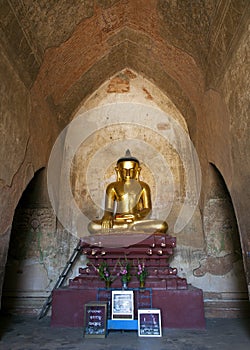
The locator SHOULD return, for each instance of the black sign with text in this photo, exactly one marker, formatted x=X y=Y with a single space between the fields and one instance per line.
x=95 y=320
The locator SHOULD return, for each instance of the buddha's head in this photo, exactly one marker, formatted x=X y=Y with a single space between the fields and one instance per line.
x=128 y=167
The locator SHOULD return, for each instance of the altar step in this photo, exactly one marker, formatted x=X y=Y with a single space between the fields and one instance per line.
x=76 y=252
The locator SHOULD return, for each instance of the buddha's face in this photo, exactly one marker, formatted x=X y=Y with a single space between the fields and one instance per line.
x=128 y=170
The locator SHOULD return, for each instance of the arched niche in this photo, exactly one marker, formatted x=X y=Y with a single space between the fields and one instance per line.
x=29 y=272
x=221 y=268
x=220 y=225
x=94 y=160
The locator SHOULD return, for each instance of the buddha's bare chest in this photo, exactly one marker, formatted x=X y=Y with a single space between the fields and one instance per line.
x=128 y=193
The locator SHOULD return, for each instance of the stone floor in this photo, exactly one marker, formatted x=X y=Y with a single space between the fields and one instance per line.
x=28 y=333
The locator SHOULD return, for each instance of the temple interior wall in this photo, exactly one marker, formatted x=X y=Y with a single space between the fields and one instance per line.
x=141 y=56
x=208 y=249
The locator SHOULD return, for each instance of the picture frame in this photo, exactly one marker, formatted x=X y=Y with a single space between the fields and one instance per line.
x=122 y=305
x=149 y=323
x=95 y=319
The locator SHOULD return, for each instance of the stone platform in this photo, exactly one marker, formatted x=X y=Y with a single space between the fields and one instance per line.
x=181 y=304
x=179 y=308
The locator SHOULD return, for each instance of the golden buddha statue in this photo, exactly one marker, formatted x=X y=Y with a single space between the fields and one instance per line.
x=127 y=202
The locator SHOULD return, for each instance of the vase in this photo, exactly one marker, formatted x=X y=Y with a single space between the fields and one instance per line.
x=108 y=284
x=142 y=284
x=124 y=285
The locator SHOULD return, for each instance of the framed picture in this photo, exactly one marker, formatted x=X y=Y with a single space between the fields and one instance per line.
x=122 y=305
x=149 y=323
x=95 y=319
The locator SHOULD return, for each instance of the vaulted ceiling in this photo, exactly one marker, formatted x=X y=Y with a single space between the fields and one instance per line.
x=71 y=47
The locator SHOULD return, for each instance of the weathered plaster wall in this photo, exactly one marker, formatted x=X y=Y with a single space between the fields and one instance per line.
x=27 y=132
x=236 y=93
x=15 y=115
x=226 y=131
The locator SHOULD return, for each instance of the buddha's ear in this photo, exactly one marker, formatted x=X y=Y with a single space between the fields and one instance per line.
x=118 y=173
x=138 y=173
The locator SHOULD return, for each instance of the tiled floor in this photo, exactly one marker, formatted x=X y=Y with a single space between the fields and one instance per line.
x=28 y=333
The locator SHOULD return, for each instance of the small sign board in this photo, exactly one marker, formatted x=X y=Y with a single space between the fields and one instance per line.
x=95 y=319
x=149 y=323
x=122 y=305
